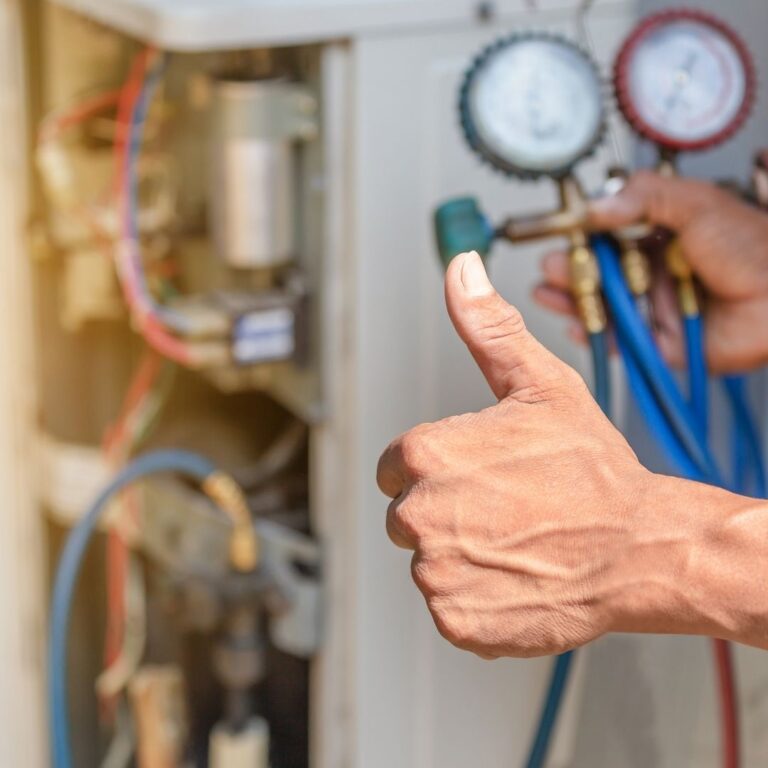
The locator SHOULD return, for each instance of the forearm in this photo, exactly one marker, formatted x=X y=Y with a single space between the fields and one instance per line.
x=698 y=566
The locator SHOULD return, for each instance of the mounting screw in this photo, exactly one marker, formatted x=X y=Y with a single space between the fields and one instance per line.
x=485 y=11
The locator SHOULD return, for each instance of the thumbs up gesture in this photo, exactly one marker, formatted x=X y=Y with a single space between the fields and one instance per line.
x=524 y=518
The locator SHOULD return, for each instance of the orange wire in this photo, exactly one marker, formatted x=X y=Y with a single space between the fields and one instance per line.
x=57 y=124
x=115 y=449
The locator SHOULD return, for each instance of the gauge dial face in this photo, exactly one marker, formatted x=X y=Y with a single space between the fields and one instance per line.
x=684 y=80
x=532 y=105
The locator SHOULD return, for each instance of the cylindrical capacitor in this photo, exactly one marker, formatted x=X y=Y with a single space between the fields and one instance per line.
x=253 y=193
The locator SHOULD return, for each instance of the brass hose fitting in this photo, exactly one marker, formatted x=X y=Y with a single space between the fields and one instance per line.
x=636 y=268
x=682 y=272
x=244 y=547
x=585 y=288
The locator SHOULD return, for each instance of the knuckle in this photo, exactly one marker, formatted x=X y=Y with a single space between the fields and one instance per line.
x=573 y=381
x=451 y=625
x=507 y=323
x=415 y=449
x=405 y=518
x=424 y=576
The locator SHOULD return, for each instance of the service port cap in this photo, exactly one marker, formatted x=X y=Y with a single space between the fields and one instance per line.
x=684 y=80
x=532 y=105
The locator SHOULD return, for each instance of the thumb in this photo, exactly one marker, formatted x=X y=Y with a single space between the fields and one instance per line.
x=513 y=362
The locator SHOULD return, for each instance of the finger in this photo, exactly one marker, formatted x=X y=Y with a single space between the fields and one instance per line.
x=399 y=537
x=666 y=201
x=554 y=267
x=668 y=325
x=577 y=333
x=391 y=475
x=554 y=299
x=511 y=359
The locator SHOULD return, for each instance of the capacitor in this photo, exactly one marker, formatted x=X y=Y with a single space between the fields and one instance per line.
x=258 y=126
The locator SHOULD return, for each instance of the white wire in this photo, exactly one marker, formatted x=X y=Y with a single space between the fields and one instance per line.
x=123 y=745
x=115 y=679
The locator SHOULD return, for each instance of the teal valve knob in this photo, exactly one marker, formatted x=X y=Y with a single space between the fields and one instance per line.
x=460 y=226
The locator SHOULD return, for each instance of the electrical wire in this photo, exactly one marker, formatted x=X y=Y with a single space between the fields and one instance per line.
x=123 y=745
x=115 y=678
x=191 y=465
x=56 y=123
x=121 y=440
x=134 y=103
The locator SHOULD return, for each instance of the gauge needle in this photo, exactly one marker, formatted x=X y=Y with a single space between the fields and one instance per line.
x=682 y=78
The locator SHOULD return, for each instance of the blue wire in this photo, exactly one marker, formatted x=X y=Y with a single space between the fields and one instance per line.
x=190 y=464
x=697 y=371
x=135 y=141
x=558 y=682
x=638 y=342
x=747 y=435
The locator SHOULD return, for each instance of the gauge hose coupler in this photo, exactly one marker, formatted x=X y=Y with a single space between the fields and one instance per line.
x=682 y=272
x=244 y=546
x=460 y=227
x=585 y=288
x=636 y=269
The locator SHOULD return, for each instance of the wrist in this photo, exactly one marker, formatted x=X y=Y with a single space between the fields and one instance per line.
x=695 y=563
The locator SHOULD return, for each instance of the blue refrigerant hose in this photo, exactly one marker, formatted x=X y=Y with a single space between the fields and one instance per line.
x=556 y=690
x=601 y=368
x=748 y=459
x=637 y=341
x=558 y=682
x=189 y=464
x=697 y=370
x=680 y=428
x=658 y=426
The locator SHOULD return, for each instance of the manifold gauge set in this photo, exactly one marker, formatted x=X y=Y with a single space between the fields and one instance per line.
x=534 y=104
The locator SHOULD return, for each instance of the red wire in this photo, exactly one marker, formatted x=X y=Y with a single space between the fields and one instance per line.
x=78 y=114
x=154 y=332
x=117 y=550
x=142 y=382
x=729 y=707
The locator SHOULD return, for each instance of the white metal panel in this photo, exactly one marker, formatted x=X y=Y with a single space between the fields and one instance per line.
x=218 y=24
x=421 y=703
x=22 y=602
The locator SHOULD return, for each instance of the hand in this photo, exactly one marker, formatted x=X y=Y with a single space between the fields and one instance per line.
x=524 y=517
x=726 y=243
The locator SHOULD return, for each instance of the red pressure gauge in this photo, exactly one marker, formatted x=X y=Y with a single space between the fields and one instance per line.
x=684 y=80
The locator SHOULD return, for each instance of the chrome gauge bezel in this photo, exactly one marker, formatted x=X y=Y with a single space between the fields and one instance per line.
x=491 y=155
